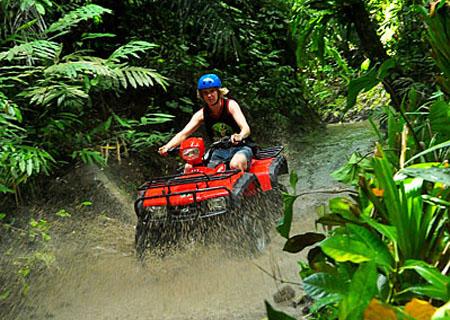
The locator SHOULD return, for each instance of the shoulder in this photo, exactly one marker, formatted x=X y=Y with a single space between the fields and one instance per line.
x=233 y=106
x=198 y=116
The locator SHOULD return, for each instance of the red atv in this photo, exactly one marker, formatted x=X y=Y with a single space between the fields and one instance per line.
x=210 y=192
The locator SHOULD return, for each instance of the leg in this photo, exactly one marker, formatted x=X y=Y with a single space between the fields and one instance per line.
x=241 y=159
x=218 y=156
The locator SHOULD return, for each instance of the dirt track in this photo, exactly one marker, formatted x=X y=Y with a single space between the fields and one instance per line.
x=96 y=275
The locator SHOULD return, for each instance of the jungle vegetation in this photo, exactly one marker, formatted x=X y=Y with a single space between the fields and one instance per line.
x=384 y=251
x=82 y=77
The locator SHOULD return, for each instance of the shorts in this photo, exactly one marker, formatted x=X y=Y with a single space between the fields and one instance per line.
x=225 y=155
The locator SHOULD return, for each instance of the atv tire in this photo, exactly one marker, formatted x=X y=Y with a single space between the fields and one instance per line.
x=147 y=235
x=256 y=233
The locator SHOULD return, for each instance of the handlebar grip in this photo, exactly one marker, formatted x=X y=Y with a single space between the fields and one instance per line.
x=173 y=151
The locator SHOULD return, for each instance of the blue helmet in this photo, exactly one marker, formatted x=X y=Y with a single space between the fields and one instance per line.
x=208 y=81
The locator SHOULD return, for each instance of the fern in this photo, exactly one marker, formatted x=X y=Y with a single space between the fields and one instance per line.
x=20 y=162
x=138 y=76
x=10 y=76
x=71 y=19
x=91 y=36
x=73 y=69
x=58 y=94
x=131 y=49
x=36 y=50
x=89 y=156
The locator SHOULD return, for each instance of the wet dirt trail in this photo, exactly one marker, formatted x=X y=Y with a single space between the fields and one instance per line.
x=97 y=276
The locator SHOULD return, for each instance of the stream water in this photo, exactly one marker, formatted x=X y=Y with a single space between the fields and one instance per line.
x=97 y=276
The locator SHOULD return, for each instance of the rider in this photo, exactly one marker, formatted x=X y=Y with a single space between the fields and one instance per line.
x=218 y=111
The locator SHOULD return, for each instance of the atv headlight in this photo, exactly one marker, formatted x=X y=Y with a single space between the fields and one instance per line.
x=217 y=204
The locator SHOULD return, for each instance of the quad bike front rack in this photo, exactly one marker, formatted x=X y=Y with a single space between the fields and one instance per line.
x=192 y=211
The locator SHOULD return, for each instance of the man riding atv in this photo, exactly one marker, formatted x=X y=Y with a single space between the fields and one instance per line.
x=217 y=110
x=233 y=186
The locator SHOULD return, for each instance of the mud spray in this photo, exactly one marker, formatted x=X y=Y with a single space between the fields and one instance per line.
x=97 y=275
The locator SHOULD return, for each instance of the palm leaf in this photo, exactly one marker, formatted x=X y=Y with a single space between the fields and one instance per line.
x=73 y=69
x=131 y=49
x=74 y=17
x=139 y=77
x=34 y=50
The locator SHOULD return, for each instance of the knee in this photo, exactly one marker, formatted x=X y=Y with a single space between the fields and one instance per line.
x=238 y=164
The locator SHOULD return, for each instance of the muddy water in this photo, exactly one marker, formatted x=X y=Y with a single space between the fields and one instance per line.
x=96 y=275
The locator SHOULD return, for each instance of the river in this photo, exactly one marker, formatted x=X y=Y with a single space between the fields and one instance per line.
x=96 y=275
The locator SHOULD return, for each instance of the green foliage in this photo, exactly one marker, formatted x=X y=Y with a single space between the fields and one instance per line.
x=395 y=231
x=298 y=242
x=71 y=19
x=284 y=225
x=367 y=81
x=273 y=314
x=48 y=94
x=363 y=287
x=440 y=120
x=438 y=284
x=63 y=213
x=34 y=51
x=357 y=244
x=439 y=37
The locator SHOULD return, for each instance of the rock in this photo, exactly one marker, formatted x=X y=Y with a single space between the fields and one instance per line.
x=286 y=293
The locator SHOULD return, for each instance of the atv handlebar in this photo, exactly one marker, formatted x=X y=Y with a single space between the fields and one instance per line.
x=225 y=143
x=173 y=151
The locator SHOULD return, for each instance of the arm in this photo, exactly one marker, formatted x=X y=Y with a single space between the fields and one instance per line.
x=239 y=117
x=190 y=128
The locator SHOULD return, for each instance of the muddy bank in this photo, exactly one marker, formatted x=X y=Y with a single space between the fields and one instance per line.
x=95 y=274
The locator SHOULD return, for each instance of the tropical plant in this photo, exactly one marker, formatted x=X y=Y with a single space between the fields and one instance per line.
x=47 y=95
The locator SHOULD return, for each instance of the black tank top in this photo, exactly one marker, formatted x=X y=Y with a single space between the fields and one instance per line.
x=225 y=117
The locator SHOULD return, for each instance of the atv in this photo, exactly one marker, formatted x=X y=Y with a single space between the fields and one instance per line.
x=210 y=192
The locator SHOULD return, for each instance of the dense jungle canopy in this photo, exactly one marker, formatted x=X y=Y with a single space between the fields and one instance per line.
x=80 y=75
x=82 y=80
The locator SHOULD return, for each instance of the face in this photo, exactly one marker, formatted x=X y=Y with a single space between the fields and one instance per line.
x=210 y=96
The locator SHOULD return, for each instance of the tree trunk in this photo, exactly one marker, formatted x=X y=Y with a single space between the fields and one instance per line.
x=356 y=13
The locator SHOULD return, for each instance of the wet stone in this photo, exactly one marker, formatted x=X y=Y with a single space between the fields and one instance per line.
x=285 y=294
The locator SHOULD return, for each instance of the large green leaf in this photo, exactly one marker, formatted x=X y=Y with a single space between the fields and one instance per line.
x=320 y=285
x=367 y=81
x=71 y=19
x=284 y=225
x=433 y=174
x=440 y=284
x=440 y=120
x=357 y=244
x=362 y=289
x=388 y=231
x=300 y=241
x=363 y=83
x=445 y=144
x=345 y=208
x=350 y=171
x=293 y=180
x=273 y=314
x=396 y=209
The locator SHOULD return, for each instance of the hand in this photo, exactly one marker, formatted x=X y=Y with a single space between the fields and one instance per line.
x=163 y=150
x=235 y=138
